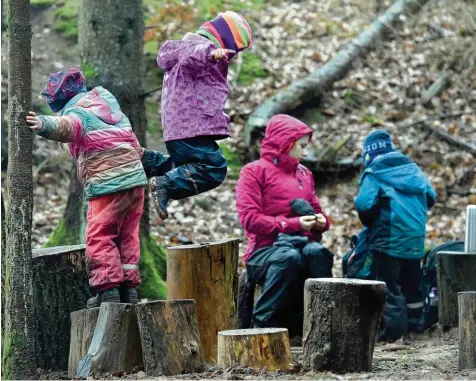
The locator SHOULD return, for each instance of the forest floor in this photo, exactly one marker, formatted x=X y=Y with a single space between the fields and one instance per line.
x=430 y=356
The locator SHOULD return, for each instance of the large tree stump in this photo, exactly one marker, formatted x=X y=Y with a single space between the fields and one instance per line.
x=83 y=324
x=467 y=330
x=170 y=337
x=208 y=274
x=60 y=286
x=116 y=346
x=255 y=348
x=341 y=320
x=455 y=273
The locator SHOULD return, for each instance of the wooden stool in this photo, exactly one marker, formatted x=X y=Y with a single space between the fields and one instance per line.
x=255 y=348
x=341 y=319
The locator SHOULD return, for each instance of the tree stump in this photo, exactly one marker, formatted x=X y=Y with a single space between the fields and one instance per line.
x=116 y=346
x=83 y=324
x=208 y=274
x=255 y=348
x=170 y=337
x=341 y=320
x=455 y=273
x=60 y=286
x=467 y=330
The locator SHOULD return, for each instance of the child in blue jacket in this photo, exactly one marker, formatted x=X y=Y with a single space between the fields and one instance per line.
x=392 y=203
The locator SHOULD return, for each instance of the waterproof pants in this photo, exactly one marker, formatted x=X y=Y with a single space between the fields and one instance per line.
x=112 y=239
x=281 y=272
x=403 y=309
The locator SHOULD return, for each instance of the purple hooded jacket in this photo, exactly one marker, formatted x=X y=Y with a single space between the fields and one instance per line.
x=194 y=91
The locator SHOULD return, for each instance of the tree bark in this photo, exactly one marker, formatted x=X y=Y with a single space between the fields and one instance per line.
x=83 y=324
x=208 y=274
x=341 y=321
x=18 y=342
x=115 y=346
x=467 y=330
x=111 y=41
x=455 y=273
x=258 y=348
x=311 y=88
x=71 y=228
x=60 y=287
x=170 y=337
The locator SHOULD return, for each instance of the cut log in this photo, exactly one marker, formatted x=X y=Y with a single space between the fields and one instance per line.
x=208 y=274
x=455 y=273
x=260 y=348
x=83 y=324
x=115 y=348
x=467 y=330
x=170 y=337
x=60 y=286
x=311 y=88
x=341 y=320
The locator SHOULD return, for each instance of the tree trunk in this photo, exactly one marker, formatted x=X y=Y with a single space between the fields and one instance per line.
x=255 y=348
x=208 y=274
x=115 y=346
x=467 y=330
x=18 y=342
x=60 y=287
x=341 y=321
x=111 y=42
x=83 y=324
x=455 y=273
x=71 y=228
x=311 y=88
x=170 y=337
x=110 y=36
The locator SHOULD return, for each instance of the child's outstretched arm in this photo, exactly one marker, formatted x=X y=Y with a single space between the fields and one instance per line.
x=64 y=129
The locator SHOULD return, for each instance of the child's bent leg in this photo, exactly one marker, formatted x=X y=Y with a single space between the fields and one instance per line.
x=201 y=167
x=129 y=244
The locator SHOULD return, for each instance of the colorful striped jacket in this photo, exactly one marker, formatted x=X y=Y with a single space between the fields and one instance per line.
x=100 y=137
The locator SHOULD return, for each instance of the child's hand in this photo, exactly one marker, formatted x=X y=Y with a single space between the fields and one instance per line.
x=307 y=222
x=320 y=221
x=221 y=54
x=34 y=121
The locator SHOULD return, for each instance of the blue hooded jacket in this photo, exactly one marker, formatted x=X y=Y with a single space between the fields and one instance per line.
x=392 y=203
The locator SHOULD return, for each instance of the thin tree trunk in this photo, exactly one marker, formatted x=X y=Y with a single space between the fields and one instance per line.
x=311 y=88
x=18 y=342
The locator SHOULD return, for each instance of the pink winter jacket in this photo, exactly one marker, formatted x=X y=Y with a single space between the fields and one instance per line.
x=267 y=186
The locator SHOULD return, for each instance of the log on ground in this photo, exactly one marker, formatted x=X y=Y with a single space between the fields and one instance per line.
x=259 y=348
x=170 y=337
x=467 y=330
x=115 y=348
x=455 y=273
x=341 y=320
x=60 y=286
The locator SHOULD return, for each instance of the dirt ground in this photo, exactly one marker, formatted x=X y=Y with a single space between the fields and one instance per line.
x=430 y=356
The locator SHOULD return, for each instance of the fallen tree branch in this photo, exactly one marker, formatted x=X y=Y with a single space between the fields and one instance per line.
x=311 y=88
x=437 y=117
x=453 y=140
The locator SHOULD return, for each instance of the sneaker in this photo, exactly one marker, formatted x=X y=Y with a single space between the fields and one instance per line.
x=129 y=295
x=110 y=295
x=160 y=196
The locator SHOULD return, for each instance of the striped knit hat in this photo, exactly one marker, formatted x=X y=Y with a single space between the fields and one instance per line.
x=228 y=30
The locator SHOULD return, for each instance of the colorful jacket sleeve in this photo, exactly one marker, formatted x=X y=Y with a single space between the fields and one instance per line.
x=367 y=200
x=193 y=56
x=316 y=205
x=250 y=208
x=64 y=129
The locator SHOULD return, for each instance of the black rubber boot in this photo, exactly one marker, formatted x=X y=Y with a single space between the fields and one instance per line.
x=110 y=295
x=129 y=295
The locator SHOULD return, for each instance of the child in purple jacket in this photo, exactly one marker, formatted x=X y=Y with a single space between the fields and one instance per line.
x=194 y=92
